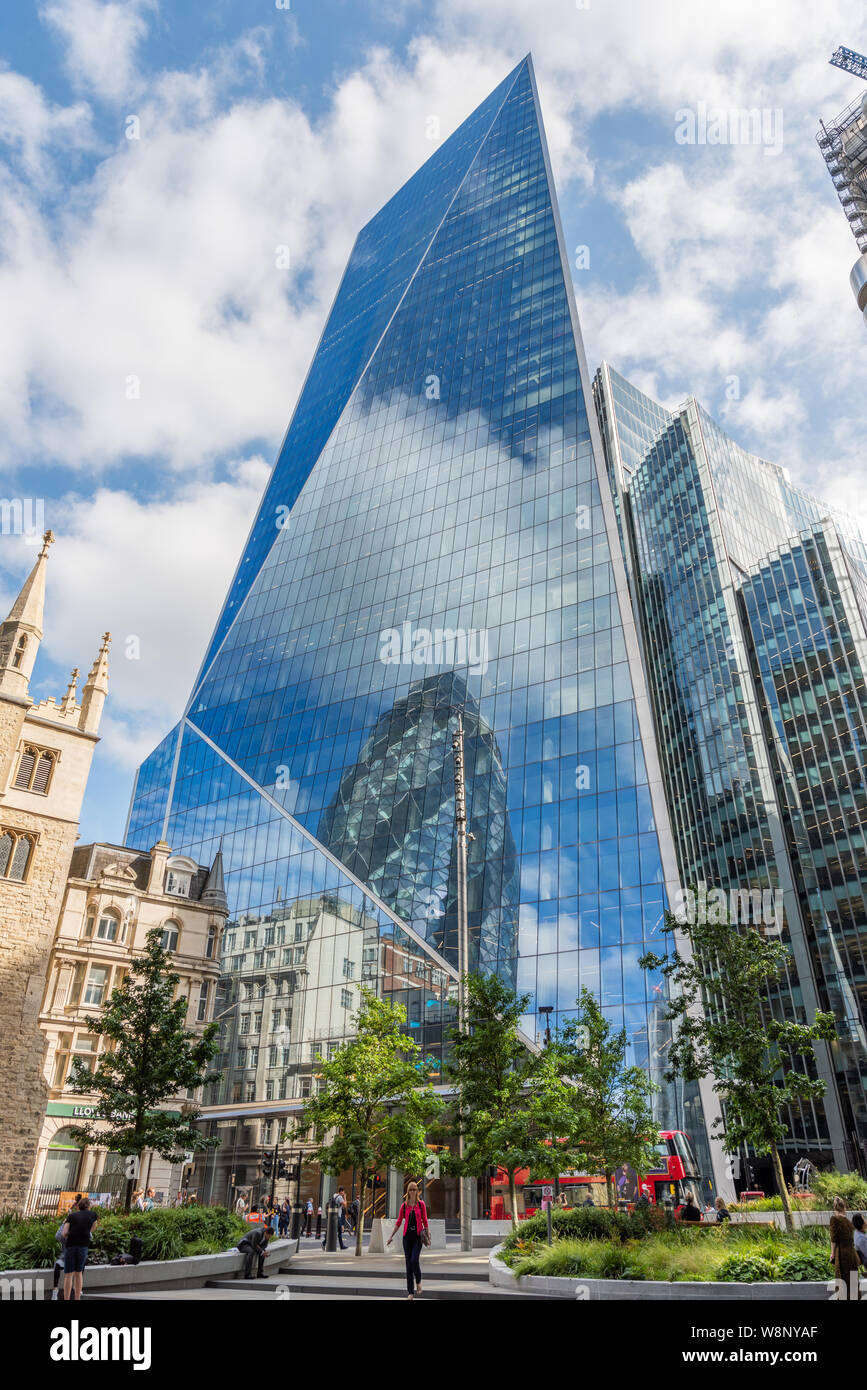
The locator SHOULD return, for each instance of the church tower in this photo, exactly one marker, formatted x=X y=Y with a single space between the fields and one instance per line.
x=46 y=749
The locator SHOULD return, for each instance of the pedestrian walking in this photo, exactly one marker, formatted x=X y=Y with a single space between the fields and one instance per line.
x=843 y=1252
x=76 y=1231
x=722 y=1212
x=416 y=1233
x=308 y=1217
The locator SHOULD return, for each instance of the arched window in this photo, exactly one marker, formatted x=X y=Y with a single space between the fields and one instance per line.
x=16 y=849
x=108 y=927
x=61 y=1161
x=170 y=936
x=19 y=652
x=179 y=875
x=35 y=769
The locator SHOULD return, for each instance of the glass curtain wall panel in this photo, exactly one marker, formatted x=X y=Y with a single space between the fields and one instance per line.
x=438 y=539
x=701 y=513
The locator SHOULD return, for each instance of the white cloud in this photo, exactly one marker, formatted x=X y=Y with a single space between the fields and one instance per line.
x=101 y=41
x=152 y=573
x=161 y=266
x=161 y=277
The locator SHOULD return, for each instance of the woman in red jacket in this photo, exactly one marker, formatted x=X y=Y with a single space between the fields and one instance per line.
x=413 y=1215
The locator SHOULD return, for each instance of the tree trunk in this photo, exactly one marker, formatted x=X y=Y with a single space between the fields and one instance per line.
x=782 y=1189
x=513 y=1199
x=609 y=1189
x=359 y=1226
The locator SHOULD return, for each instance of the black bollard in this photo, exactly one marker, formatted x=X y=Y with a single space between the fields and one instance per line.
x=331 y=1215
x=295 y=1230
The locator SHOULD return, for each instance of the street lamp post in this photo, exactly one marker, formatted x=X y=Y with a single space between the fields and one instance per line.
x=467 y=1185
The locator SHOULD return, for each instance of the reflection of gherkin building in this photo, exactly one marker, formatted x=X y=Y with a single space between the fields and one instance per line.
x=392 y=823
x=442 y=473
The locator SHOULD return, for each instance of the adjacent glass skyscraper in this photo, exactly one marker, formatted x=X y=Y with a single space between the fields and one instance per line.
x=438 y=537
x=752 y=598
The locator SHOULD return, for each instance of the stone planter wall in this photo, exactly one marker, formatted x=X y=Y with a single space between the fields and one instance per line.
x=800 y=1218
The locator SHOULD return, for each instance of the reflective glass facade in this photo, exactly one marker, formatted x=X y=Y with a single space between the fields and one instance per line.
x=438 y=537
x=702 y=520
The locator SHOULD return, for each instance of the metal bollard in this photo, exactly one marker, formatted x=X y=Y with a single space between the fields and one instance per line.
x=295 y=1229
x=331 y=1216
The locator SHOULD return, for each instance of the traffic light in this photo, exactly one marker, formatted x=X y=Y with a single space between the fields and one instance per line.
x=298 y=1172
x=282 y=1170
x=267 y=1165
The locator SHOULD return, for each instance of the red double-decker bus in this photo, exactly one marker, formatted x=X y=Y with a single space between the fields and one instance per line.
x=676 y=1174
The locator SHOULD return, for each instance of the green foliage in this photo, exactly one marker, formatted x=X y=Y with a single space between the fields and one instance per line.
x=804 y=1264
x=512 y=1107
x=709 y=1253
x=29 y=1244
x=589 y=1223
x=850 y=1186
x=724 y=1027
x=745 y=1269
x=153 y=1058
x=372 y=1101
x=167 y=1233
x=611 y=1116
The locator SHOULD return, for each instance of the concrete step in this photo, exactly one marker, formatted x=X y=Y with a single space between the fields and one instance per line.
x=347 y=1286
x=362 y=1269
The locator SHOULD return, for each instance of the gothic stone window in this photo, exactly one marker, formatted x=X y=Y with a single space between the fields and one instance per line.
x=36 y=768
x=16 y=853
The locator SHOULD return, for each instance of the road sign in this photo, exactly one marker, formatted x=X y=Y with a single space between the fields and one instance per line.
x=131 y=1164
x=432 y=1164
x=547 y=1191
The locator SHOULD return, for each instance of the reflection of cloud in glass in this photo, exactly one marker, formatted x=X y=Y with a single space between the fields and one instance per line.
x=392 y=822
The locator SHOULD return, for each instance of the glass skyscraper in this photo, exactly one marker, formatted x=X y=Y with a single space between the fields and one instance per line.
x=752 y=598
x=438 y=537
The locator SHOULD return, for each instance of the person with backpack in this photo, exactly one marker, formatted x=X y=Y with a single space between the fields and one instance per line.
x=416 y=1233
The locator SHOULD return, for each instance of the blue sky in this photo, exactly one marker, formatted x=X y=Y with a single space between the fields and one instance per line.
x=154 y=154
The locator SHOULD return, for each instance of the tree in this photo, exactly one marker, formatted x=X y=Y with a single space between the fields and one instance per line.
x=612 y=1117
x=372 y=1110
x=725 y=1028
x=510 y=1104
x=150 y=1057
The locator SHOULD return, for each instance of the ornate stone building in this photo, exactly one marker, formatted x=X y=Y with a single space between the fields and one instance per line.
x=46 y=749
x=113 y=898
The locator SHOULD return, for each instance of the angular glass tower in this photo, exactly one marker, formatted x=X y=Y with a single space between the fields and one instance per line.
x=438 y=537
x=751 y=596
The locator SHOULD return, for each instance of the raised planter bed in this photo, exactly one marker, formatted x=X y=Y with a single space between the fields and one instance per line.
x=579 y=1288
x=189 y=1272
